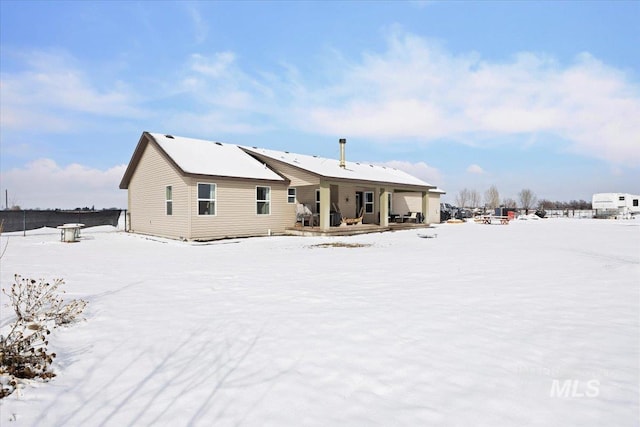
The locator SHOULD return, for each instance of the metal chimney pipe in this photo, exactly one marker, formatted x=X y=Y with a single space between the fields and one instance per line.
x=343 y=142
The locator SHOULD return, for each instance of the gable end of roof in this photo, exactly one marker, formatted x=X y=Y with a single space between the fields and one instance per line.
x=145 y=139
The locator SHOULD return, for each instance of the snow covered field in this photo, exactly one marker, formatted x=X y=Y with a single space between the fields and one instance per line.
x=535 y=323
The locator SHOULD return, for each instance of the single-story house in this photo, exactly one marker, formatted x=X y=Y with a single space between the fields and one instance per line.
x=192 y=189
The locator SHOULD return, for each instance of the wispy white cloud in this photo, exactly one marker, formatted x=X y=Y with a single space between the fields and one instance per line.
x=418 y=90
x=216 y=66
x=420 y=170
x=212 y=122
x=414 y=90
x=475 y=169
x=199 y=25
x=221 y=97
x=43 y=183
x=51 y=91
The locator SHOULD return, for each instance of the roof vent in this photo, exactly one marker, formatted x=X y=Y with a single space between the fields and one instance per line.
x=255 y=148
x=169 y=136
x=219 y=143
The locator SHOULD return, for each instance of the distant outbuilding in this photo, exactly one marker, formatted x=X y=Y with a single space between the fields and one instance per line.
x=615 y=205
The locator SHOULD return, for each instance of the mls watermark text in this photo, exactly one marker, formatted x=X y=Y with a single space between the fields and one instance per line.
x=574 y=388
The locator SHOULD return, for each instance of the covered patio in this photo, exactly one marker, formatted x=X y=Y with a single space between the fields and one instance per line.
x=331 y=203
x=330 y=194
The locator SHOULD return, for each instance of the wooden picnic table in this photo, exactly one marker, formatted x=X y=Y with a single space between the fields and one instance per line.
x=487 y=219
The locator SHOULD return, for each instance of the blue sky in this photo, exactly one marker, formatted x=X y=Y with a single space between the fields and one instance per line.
x=538 y=95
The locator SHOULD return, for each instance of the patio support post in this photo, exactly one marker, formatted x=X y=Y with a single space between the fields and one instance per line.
x=325 y=205
x=384 y=207
x=425 y=206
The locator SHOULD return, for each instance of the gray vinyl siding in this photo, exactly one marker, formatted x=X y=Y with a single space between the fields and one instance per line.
x=236 y=214
x=347 y=208
x=307 y=196
x=147 y=212
x=404 y=203
x=412 y=202
x=298 y=177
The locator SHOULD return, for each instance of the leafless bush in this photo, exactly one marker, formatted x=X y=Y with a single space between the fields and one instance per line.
x=24 y=355
x=23 y=350
x=38 y=301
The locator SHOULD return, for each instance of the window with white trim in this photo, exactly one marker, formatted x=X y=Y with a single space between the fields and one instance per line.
x=168 y=200
x=263 y=200
x=317 y=201
x=206 y=199
x=291 y=195
x=368 y=202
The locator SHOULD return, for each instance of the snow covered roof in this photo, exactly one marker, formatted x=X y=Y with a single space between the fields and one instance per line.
x=330 y=168
x=197 y=156
x=200 y=157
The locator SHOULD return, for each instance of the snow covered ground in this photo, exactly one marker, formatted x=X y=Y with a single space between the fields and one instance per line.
x=535 y=323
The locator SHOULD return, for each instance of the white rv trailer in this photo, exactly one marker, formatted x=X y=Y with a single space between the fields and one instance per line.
x=618 y=205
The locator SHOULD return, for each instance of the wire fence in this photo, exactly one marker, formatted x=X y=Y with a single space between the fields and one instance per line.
x=570 y=213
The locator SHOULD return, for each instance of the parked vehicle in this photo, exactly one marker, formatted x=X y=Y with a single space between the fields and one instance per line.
x=447 y=212
x=463 y=214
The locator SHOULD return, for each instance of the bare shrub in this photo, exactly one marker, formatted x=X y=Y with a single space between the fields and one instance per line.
x=23 y=350
x=38 y=301
x=24 y=355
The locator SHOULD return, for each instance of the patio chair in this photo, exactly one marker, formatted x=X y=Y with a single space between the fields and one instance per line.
x=412 y=217
x=353 y=221
x=304 y=214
